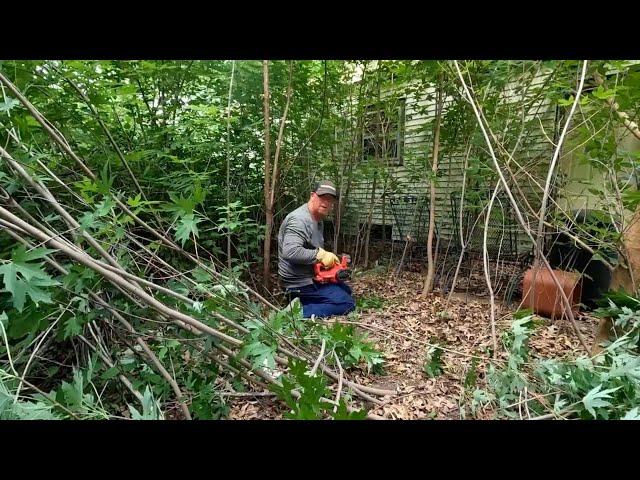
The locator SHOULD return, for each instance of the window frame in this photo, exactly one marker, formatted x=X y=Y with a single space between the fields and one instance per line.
x=372 y=137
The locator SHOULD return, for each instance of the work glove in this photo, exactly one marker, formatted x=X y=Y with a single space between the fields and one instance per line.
x=328 y=259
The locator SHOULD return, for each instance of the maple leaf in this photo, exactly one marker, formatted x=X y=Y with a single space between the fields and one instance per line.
x=186 y=227
x=595 y=398
x=22 y=279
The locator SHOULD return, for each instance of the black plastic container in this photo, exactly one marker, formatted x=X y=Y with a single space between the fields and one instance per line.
x=565 y=254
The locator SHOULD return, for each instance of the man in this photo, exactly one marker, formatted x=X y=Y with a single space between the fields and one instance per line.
x=300 y=246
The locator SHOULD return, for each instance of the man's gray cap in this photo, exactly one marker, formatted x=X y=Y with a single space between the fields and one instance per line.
x=326 y=187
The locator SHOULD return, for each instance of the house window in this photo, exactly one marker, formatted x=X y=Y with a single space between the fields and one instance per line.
x=378 y=231
x=383 y=132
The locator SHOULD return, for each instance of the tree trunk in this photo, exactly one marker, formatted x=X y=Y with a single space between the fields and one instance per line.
x=233 y=70
x=428 y=284
x=337 y=217
x=384 y=216
x=369 y=222
x=267 y=169
x=271 y=188
x=463 y=244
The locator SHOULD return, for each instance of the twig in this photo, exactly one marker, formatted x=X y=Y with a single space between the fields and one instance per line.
x=248 y=394
x=485 y=264
x=108 y=361
x=337 y=400
x=548 y=416
x=35 y=350
x=315 y=366
x=520 y=404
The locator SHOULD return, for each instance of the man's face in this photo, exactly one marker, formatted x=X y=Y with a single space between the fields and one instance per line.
x=324 y=203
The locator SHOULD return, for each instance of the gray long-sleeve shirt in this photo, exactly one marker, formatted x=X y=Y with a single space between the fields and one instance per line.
x=299 y=238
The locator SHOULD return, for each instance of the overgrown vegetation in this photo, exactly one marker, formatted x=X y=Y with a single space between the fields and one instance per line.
x=133 y=224
x=603 y=387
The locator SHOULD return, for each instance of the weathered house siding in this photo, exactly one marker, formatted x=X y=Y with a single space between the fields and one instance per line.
x=406 y=206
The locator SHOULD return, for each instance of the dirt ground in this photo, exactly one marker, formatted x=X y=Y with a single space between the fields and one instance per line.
x=402 y=327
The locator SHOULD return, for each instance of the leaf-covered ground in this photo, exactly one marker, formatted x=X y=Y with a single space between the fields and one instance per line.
x=403 y=326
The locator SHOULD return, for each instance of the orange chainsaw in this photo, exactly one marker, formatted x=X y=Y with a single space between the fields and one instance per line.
x=339 y=272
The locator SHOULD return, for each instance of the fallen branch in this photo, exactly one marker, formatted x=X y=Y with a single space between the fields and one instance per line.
x=337 y=400
x=315 y=366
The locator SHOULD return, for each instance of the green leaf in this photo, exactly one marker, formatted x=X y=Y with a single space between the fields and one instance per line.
x=105 y=181
x=199 y=194
x=565 y=102
x=260 y=354
x=78 y=278
x=104 y=207
x=26 y=322
x=38 y=295
x=596 y=398
x=73 y=326
x=29 y=271
x=471 y=377
x=35 y=411
x=8 y=270
x=201 y=275
x=72 y=392
x=228 y=289
x=150 y=408
x=342 y=413
x=86 y=221
x=433 y=362
x=21 y=255
x=134 y=202
x=311 y=388
x=603 y=94
x=8 y=104
x=187 y=227
x=181 y=205
x=480 y=398
x=356 y=352
x=31 y=277
x=631 y=199
x=633 y=414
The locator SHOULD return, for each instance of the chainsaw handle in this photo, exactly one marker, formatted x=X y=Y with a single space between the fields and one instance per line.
x=317 y=267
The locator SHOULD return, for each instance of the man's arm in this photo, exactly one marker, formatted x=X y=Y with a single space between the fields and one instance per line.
x=293 y=244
